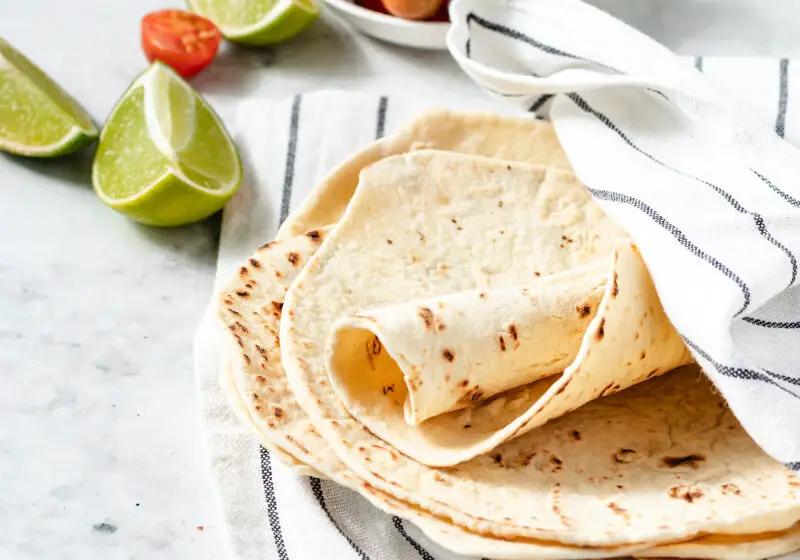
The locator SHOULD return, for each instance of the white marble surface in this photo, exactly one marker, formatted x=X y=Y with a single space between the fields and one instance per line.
x=100 y=452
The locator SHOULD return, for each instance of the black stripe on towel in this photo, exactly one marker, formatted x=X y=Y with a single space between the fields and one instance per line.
x=757 y=219
x=783 y=97
x=794 y=466
x=424 y=554
x=772 y=324
x=383 y=104
x=738 y=373
x=291 y=156
x=316 y=489
x=272 y=505
x=698 y=63
x=786 y=196
x=677 y=234
x=540 y=102
x=519 y=36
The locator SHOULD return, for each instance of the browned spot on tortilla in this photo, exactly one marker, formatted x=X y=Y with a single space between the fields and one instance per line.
x=575 y=434
x=389 y=241
x=607 y=389
x=454 y=220
x=421 y=236
x=239 y=340
x=277 y=411
x=243 y=271
x=618 y=510
x=512 y=330
x=242 y=327
x=255 y=263
x=624 y=456
x=440 y=326
x=636 y=336
x=447 y=377
x=426 y=315
x=376 y=475
x=247 y=359
x=228 y=301
x=261 y=379
x=242 y=293
x=232 y=311
x=440 y=479
x=620 y=487
x=601 y=330
x=614 y=286
x=267 y=245
x=499 y=203
x=643 y=355
x=249 y=285
x=687 y=493
x=692 y=460
x=584 y=310
x=293 y=258
x=464 y=383
x=313 y=235
x=467 y=426
x=261 y=350
x=502 y=342
x=258 y=409
x=482 y=295
x=255 y=396
x=470 y=396
x=537 y=273
x=729 y=489
x=448 y=355
x=497 y=458
x=297 y=444
x=278 y=274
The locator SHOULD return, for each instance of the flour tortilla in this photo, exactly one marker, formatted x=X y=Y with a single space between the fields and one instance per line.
x=270 y=286
x=653 y=464
x=254 y=385
x=526 y=140
x=629 y=340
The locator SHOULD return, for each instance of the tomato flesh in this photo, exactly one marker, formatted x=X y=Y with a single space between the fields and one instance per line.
x=182 y=40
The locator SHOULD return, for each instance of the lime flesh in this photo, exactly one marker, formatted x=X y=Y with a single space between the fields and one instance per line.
x=164 y=156
x=258 y=22
x=37 y=117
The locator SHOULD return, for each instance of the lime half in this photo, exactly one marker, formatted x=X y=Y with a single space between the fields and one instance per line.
x=37 y=117
x=258 y=22
x=164 y=156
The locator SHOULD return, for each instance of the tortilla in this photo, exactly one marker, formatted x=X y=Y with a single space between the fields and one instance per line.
x=316 y=452
x=526 y=140
x=648 y=465
x=629 y=340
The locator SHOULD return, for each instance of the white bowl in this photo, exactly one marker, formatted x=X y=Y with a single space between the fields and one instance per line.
x=416 y=34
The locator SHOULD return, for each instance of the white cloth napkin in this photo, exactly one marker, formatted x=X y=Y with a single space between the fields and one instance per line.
x=708 y=245
x=710 y=194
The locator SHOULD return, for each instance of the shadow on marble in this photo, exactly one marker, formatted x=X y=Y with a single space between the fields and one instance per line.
x=75 y=169
x=195 y=243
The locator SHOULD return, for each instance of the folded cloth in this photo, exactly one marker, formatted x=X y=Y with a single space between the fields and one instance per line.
x=710 y=193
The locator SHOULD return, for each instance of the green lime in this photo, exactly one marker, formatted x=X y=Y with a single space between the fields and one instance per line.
x=164 y=157
x=258 y=22
x=37 y=117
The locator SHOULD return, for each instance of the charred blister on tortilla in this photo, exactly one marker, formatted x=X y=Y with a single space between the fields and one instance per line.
x=686 y=492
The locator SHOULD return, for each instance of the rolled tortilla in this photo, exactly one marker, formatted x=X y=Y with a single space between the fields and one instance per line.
x=629 y=340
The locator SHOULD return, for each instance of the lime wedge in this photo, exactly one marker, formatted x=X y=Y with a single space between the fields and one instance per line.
x=164 y=157
x=37 y=117
x=258 y=22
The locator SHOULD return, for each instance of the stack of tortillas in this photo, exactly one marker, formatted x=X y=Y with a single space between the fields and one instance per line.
x=451 y=327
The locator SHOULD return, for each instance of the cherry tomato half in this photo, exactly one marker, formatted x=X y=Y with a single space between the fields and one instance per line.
x=185 y=41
